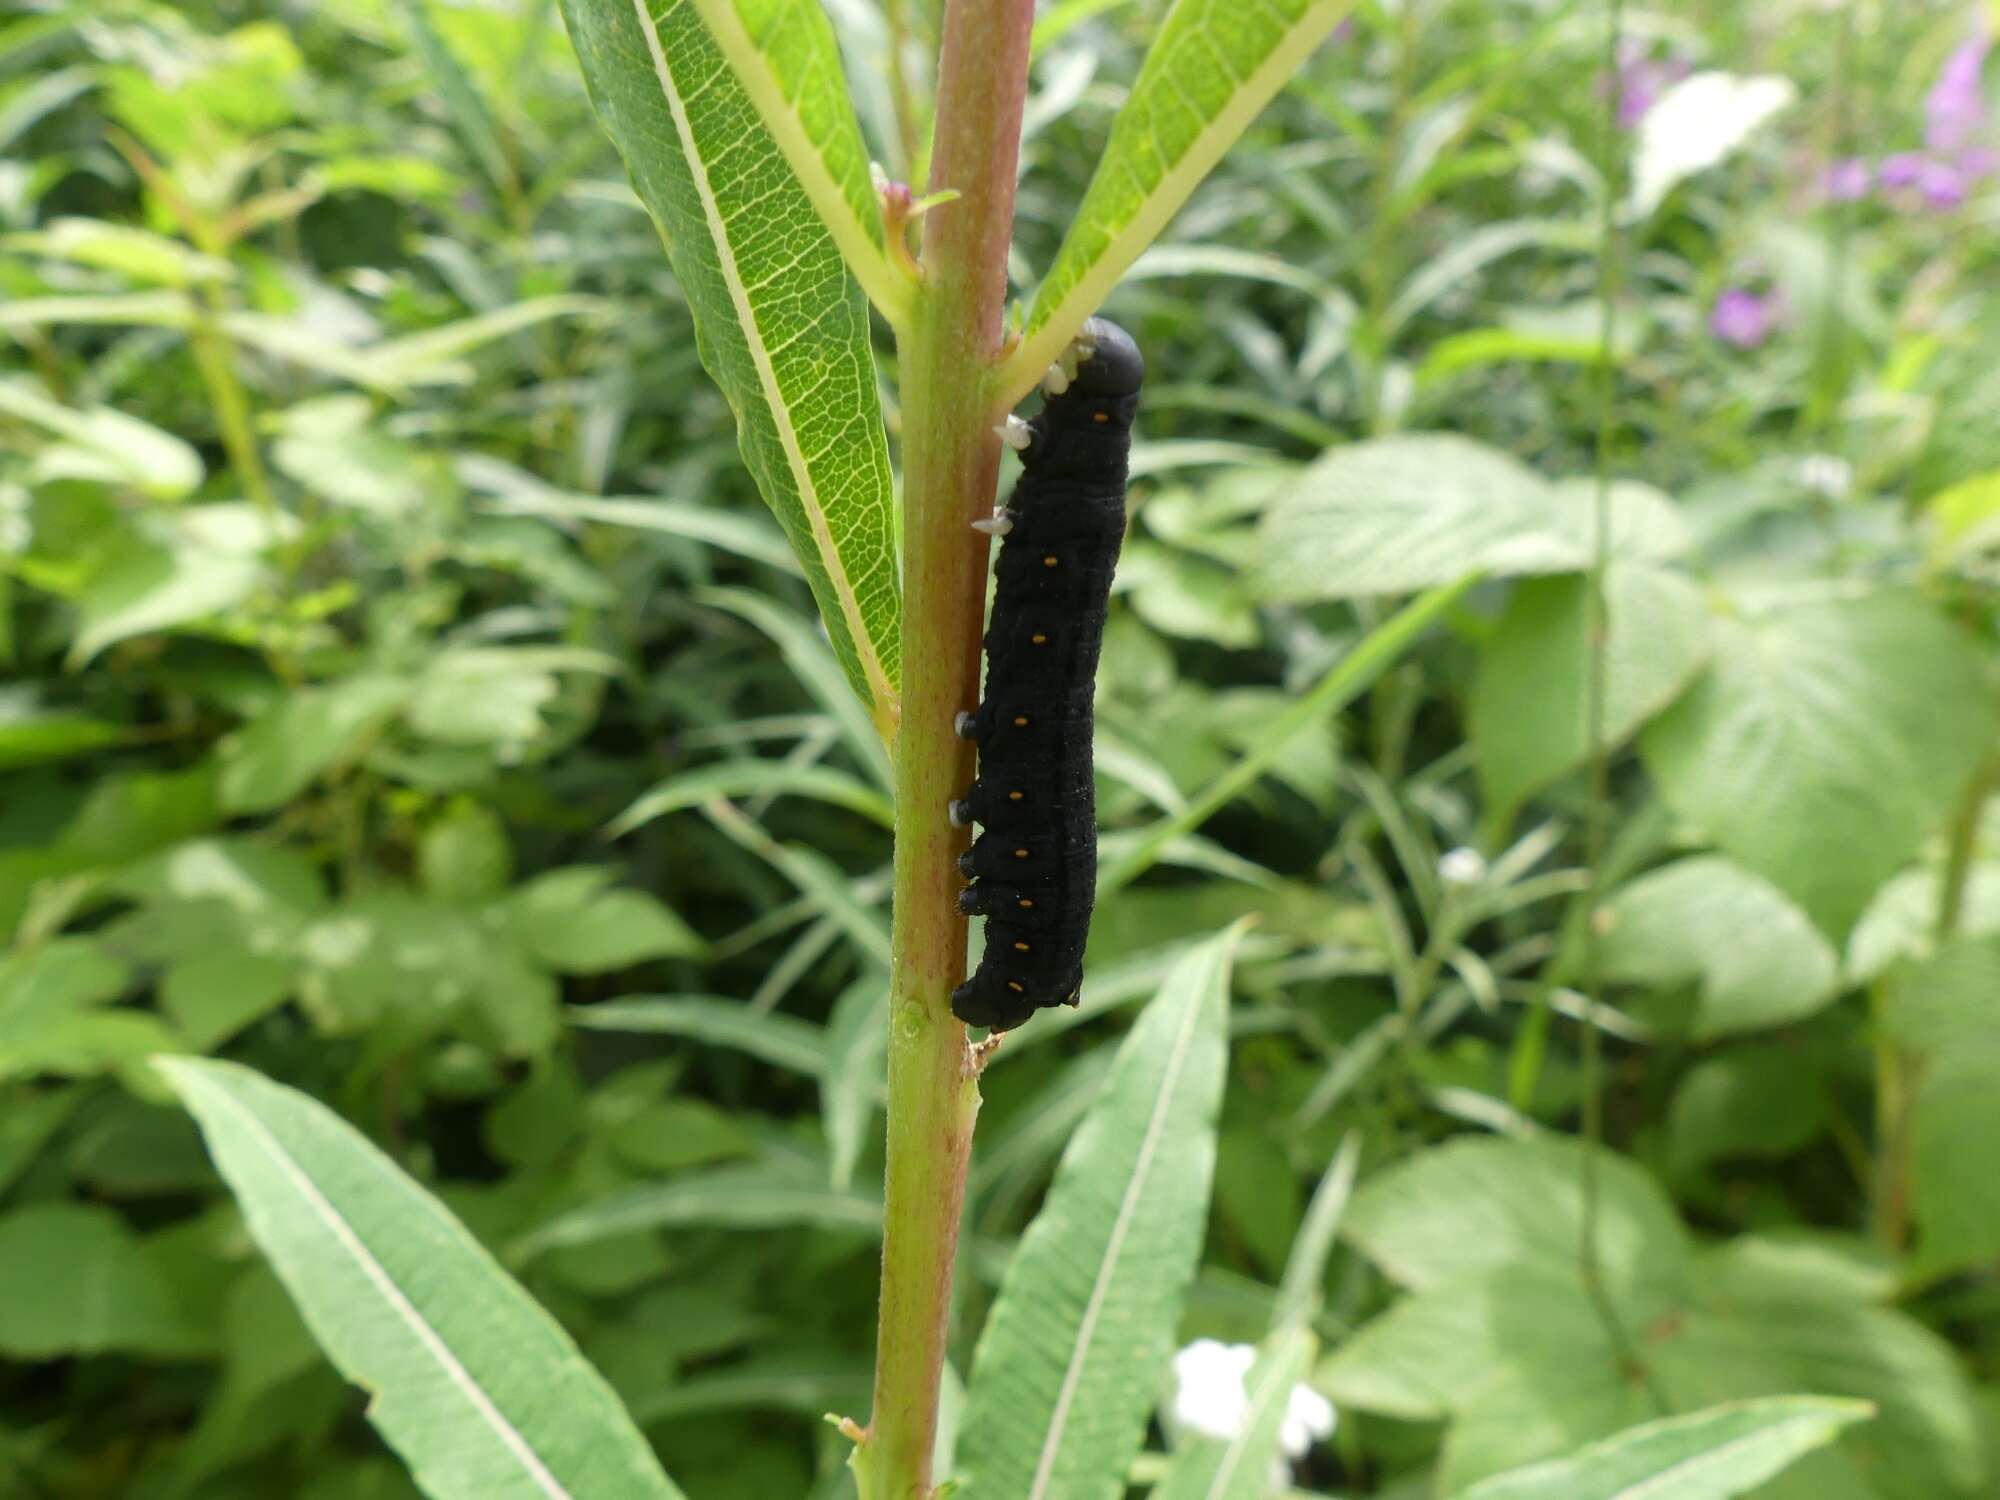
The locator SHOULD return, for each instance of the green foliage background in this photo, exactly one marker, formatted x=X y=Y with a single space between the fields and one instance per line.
x=408 y=696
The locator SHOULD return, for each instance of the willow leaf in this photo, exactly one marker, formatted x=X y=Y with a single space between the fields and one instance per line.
x=475 y=1385
x=779 y=323
x=1214 y=65
x=787 y=59
x=1067 y=1369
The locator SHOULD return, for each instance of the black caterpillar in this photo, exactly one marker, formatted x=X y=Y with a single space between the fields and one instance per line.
x=1034 y=869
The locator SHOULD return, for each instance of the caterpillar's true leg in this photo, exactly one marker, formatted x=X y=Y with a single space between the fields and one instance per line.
x=998 y=524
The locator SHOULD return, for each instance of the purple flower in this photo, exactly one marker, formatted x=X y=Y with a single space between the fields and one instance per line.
x=1742 y=318
x=1902 y=170
x=1955 y=109
x=1942 y=184
x=1848 y=180
x=1978 y=163
x=1641 y=79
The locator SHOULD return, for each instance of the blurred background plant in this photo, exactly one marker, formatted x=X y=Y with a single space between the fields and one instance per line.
x=408 y=696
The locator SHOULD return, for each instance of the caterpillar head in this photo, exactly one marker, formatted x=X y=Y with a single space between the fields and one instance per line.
x=1114 y=367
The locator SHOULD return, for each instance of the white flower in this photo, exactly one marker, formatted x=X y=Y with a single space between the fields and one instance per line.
x=1462 y=867
x=1309 y=1417
x=1212 y=1398
x=1209 y=1392
x=1825 y=475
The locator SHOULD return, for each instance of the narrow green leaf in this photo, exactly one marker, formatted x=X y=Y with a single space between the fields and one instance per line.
x=785 y=56
x=745 y=536
x=1469 y=253
x=132 y=252
x=749 y=778
x=810 y=661
x=433 y=355
x=779 y=322
x=1212 y=68
x=103 y=444
x=1240 y=1469
x=471 y=1382
x=751 y=1197
x=1299 y=1289
x=143 y=309
x=807 y=1386
x=782 y=1041
x=1067 y=1368
x=852 y=1073
x=471 y=121
x=20 y=108
x=1346 y=679
x=1714 y=1454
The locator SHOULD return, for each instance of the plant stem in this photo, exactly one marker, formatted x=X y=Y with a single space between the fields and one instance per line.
x=1962 y=845
x=1896 y=1067
x=951 y=465
x=214 y=358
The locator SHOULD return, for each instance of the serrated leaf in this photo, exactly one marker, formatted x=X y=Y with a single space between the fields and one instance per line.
x=570 y=920
x=1758 y=960
x=1824 y=742
x=269 y=762
x=1211 y=69
x=1066 y=1369
x=779 y=323
x=200 y=561
x=478 y=1388
x=1392 y=515
x=1503 y=1339
x=79 y=1283
x=1529 y=714
x=1706 y=1455
x=1474 y=1206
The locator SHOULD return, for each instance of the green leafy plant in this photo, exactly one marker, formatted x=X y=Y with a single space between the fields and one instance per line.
x=518 y=757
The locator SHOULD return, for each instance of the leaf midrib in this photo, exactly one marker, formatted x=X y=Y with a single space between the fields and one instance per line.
x=1121 y=1226
x=427 y=1337
x=760 y=358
